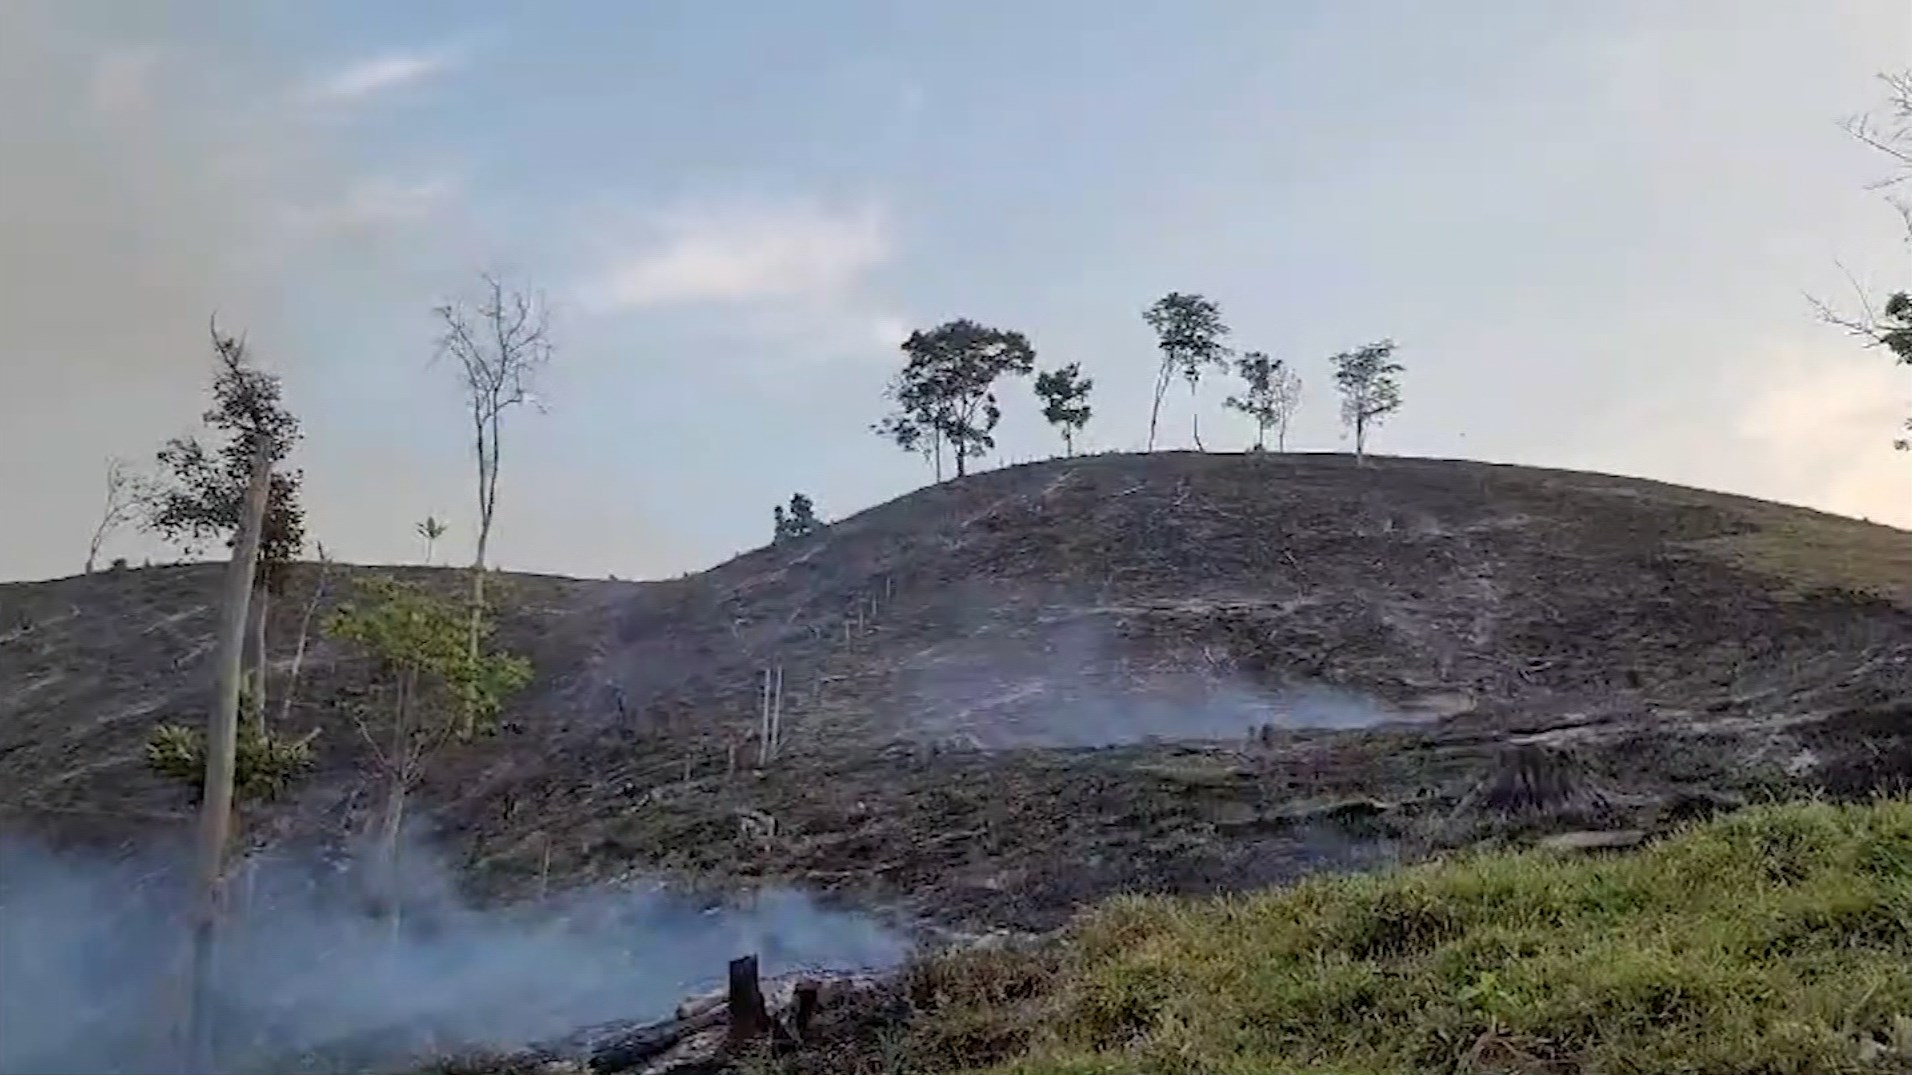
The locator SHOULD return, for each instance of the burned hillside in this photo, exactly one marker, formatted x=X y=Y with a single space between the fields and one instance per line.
x=1002 y=695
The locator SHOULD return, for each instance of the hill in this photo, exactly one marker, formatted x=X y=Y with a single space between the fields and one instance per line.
x=1011 y=693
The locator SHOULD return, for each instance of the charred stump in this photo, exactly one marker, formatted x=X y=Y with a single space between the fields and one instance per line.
x=1531 y=783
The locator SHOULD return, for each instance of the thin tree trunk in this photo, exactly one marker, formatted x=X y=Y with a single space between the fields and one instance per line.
x=1195 y=417
x=962 y=467
x=305 y=630
x=215 y=810
x=261 y=606
x=1360 y=439
x=1155 y=409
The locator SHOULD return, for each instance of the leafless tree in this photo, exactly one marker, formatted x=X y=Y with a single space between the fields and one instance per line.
x=1888 y=324
x=121 y=507
x=500 y=342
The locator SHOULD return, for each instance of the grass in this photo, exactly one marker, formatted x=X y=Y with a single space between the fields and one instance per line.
x=1806 y=551
x=1776 y=940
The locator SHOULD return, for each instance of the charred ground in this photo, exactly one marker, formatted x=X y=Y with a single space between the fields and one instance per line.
x=1010 y=693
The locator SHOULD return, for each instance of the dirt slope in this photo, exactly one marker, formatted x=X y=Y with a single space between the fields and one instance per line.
x=1040 y=684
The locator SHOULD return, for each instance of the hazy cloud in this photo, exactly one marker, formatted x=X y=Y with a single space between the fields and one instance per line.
x=375 y=75
x=743 y=252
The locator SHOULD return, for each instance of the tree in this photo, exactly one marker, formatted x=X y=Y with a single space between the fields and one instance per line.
x=1065 y=401
x=1888 y=324
x=501 y=343
x=200 y=491
x=431 y=529
x=1274 y=391
x=1189 y=331
x=123 y=505
x=799 y=520
x=945 y=393
x=1369 y=391
x=426 y=688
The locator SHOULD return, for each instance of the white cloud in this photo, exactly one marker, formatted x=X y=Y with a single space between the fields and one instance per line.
x=381 y=74
x=742 y=253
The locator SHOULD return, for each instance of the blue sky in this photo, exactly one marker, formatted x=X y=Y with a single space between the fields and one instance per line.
x=1590 y=227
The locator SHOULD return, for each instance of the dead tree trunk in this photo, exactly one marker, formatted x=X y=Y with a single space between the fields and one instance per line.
x=215 y=811
x=749 y=1019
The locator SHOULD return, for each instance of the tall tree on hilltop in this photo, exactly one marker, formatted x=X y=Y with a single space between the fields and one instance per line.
x=1274 y=391
x=1888 y=324
x=200 y=491
x=1190 y=332
x=1065 y=401
x=799 y=520
x=1369 y=391
x=501 y=342
x=945 y=393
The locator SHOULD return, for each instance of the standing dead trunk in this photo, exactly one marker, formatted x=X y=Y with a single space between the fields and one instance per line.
x=1195 y=416
x=256 y=656
x=215 y=810
x=749 y=1019
x=305 y=632
x=1155 y=408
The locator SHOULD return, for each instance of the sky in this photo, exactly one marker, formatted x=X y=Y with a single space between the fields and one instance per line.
x=1591 y=228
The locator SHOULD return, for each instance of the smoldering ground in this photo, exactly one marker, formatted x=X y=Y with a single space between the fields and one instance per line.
x=92 y=961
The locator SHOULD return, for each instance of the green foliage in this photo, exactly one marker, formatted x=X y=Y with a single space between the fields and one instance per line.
x=201 y=491
x=1065 y=401
x=1274 y=391
x=799 y=520
x=945 y=393
x=1774 y=940
x=421 y=645
x=1369 y=390
x=264 y=764
x=1189 y=332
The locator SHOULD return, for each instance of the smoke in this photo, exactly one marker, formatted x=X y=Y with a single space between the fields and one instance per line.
x=1066 y=677
x=92 y=952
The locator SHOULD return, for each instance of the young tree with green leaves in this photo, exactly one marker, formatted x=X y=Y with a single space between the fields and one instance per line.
x=199 y=493
x=799 y=520
x=1369 y=390
x=431 y=528
x=1888 y=324
x=1274 y=391
x=426 y=688
x=1065 y=401
x=1190 y=333
x=945 y=393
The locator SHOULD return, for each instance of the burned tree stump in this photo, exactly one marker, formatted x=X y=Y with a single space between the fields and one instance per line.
x=1533 y=783
x=749 y=1019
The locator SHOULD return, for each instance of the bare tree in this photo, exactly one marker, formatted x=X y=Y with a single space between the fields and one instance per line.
x=122 y=506
x=501 y=342
x=1888 y=324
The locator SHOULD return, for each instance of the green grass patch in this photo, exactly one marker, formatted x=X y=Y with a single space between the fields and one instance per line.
x=1775 y=940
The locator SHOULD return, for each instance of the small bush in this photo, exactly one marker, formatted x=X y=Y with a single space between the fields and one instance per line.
x=264 y=764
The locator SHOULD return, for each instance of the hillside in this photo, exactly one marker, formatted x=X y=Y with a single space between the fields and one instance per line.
x=1286 y=662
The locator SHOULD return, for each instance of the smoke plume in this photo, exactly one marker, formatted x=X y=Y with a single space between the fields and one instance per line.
x=92 y=956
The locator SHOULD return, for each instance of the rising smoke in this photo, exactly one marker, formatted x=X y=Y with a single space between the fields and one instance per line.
x=92 y=958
